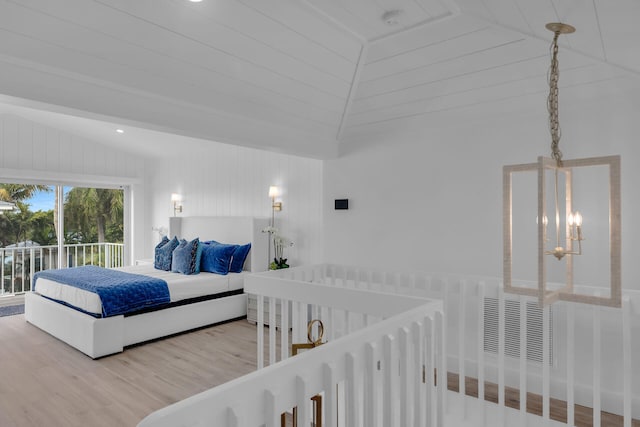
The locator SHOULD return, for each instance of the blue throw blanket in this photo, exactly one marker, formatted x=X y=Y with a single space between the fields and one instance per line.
x=119 y=292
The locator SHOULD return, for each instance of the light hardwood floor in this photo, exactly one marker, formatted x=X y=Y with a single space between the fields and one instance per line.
x=44 y=382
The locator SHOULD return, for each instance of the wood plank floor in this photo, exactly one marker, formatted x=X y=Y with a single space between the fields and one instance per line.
x=558 y=408
x=44 y=382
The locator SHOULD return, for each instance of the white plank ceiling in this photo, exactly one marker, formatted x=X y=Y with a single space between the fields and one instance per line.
x=299 y=76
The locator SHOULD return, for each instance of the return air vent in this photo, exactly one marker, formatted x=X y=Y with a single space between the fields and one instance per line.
x=512 y=329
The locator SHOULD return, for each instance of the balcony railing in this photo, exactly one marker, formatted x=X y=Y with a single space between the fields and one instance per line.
x=18 y=265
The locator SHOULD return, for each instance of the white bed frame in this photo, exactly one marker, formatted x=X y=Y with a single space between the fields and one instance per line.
x=104 y=336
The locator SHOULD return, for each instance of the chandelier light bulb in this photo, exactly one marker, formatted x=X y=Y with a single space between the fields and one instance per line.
x=578 y=219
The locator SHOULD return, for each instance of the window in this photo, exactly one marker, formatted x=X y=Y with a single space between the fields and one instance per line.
x=92 y=230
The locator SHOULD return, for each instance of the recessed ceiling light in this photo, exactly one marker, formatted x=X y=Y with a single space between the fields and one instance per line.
x=391 y=17
x=195 y=1
x=119 y=131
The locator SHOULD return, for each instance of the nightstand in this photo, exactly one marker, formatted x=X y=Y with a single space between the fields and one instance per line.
x=146 y=261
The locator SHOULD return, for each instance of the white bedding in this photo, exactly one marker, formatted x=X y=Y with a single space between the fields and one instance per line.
x=181 y=287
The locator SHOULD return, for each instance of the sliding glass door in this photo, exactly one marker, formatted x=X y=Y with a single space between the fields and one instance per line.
x=55 y=226
x=93 y=226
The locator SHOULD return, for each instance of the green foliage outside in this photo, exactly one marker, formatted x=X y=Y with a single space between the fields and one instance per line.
x=91 y=215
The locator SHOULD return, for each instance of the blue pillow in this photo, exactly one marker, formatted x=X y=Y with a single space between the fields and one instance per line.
x=163 y=242
x=163 y=254
x=216 y=257
x=185 y=257
x=239 y=256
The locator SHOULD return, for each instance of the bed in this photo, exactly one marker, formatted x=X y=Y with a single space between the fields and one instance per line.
x=98 y=337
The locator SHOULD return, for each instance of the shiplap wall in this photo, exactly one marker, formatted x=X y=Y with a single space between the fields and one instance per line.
x=26 y=145
x=226 y=180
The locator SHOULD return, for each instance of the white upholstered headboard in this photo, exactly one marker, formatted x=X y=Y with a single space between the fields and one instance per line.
x=227 y=229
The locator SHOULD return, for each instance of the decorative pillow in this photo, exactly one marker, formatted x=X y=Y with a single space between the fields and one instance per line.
x=216 y=257
x=239 y=256
x=185 y=257
x=163 y=254
x=163 y=242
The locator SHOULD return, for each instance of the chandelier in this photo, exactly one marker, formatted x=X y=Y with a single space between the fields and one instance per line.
x=555 y=209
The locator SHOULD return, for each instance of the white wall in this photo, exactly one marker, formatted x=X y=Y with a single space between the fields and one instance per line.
x=426 y=194
x=218 y=180
x=31 y=152
x=226 y=180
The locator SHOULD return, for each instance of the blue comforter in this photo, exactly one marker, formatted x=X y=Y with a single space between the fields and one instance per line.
x=119 y=292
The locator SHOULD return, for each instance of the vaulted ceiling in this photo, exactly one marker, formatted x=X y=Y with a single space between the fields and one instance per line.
x=297 y=76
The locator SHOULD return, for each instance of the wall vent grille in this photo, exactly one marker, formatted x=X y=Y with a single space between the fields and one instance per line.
x=512 y=329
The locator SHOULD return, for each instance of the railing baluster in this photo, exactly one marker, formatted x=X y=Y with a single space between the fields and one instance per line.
x=597 y=356
x=546 y=402
x=330 y=383
x=370 y=385
x=389 y=376
x=284 y=329
x=303 y=318
x=481 y=294
x=272 y=415
x=501 y=321
x=405 y=384
x=346 y=316
x=303 y=402
x=430 y=370
x=352 y=387
x=570 y=364
x=440 y=347
x=295 y=323
x=24 y=278
x=260 y=330
x=419 y=363
x=445 y=328
x=626 y=355
x=272 y=330
x=13 y=271
x=462 y=339
x=32 y=269
x=2 y=256
x=523 y=361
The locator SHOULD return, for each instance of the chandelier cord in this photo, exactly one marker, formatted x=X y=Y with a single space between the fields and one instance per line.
x=552 y=101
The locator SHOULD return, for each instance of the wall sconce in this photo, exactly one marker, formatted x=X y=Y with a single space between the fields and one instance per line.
x=177 y=203
x=273 y=193
x=566 y=223
x=275 y=206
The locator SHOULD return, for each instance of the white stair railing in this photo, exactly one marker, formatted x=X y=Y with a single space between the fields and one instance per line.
x=378 y=368
x=586 y=353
